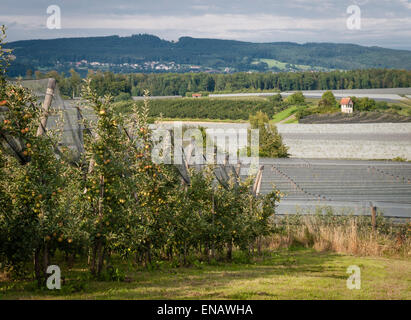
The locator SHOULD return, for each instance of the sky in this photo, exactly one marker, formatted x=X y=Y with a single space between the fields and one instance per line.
x=384 y=23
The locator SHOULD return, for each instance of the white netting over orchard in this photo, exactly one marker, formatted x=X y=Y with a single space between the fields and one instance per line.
x=61 y=112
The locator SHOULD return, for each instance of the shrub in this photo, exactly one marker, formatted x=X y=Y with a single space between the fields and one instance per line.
x=296 y=98
x=327 y=100
x=123 y=96
x=270 y=141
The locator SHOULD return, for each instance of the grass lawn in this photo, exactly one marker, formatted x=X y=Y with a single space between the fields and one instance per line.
x=291 y=120
x=282 y=115
x=284 y=274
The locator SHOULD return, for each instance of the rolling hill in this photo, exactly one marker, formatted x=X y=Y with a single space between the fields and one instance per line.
x=121 y=53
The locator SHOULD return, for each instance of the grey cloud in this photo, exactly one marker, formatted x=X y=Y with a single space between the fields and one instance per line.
x=310 y=19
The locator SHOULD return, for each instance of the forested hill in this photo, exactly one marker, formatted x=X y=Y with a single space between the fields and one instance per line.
x=200 y=54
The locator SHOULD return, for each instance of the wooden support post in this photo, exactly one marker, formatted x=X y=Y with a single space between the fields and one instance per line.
x=189 y=155
x=51 y=86
x=226 y=160
x=238 y=169
x=257 y=182
x=260 y=178
x=374 y=217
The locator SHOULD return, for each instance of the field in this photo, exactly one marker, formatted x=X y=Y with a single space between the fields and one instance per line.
x=144 y=236
x=357 y=117
x=89 y=199
x=283 y=66
x=297 y=273
x=204 y=108
x=238 y=107
x=405 y=106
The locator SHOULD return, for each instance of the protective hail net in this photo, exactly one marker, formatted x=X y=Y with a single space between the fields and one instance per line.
x=65 y=117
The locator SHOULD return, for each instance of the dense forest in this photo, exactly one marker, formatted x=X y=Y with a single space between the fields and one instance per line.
x=216 y=55
x=125 y=85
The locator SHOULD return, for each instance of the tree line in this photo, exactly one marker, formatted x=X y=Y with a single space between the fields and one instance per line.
x=168 y=84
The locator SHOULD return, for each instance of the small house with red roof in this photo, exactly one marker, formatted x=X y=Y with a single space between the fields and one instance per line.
x=347 y=106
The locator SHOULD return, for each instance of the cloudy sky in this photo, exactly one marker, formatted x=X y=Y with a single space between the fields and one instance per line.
x=385 y=23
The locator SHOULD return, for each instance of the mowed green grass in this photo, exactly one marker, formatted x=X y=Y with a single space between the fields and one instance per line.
x=292 y=120
x=285 y=274
x=282 y=115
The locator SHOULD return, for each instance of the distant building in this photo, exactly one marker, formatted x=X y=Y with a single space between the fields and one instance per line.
x=196 y=95
x=347 y=106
